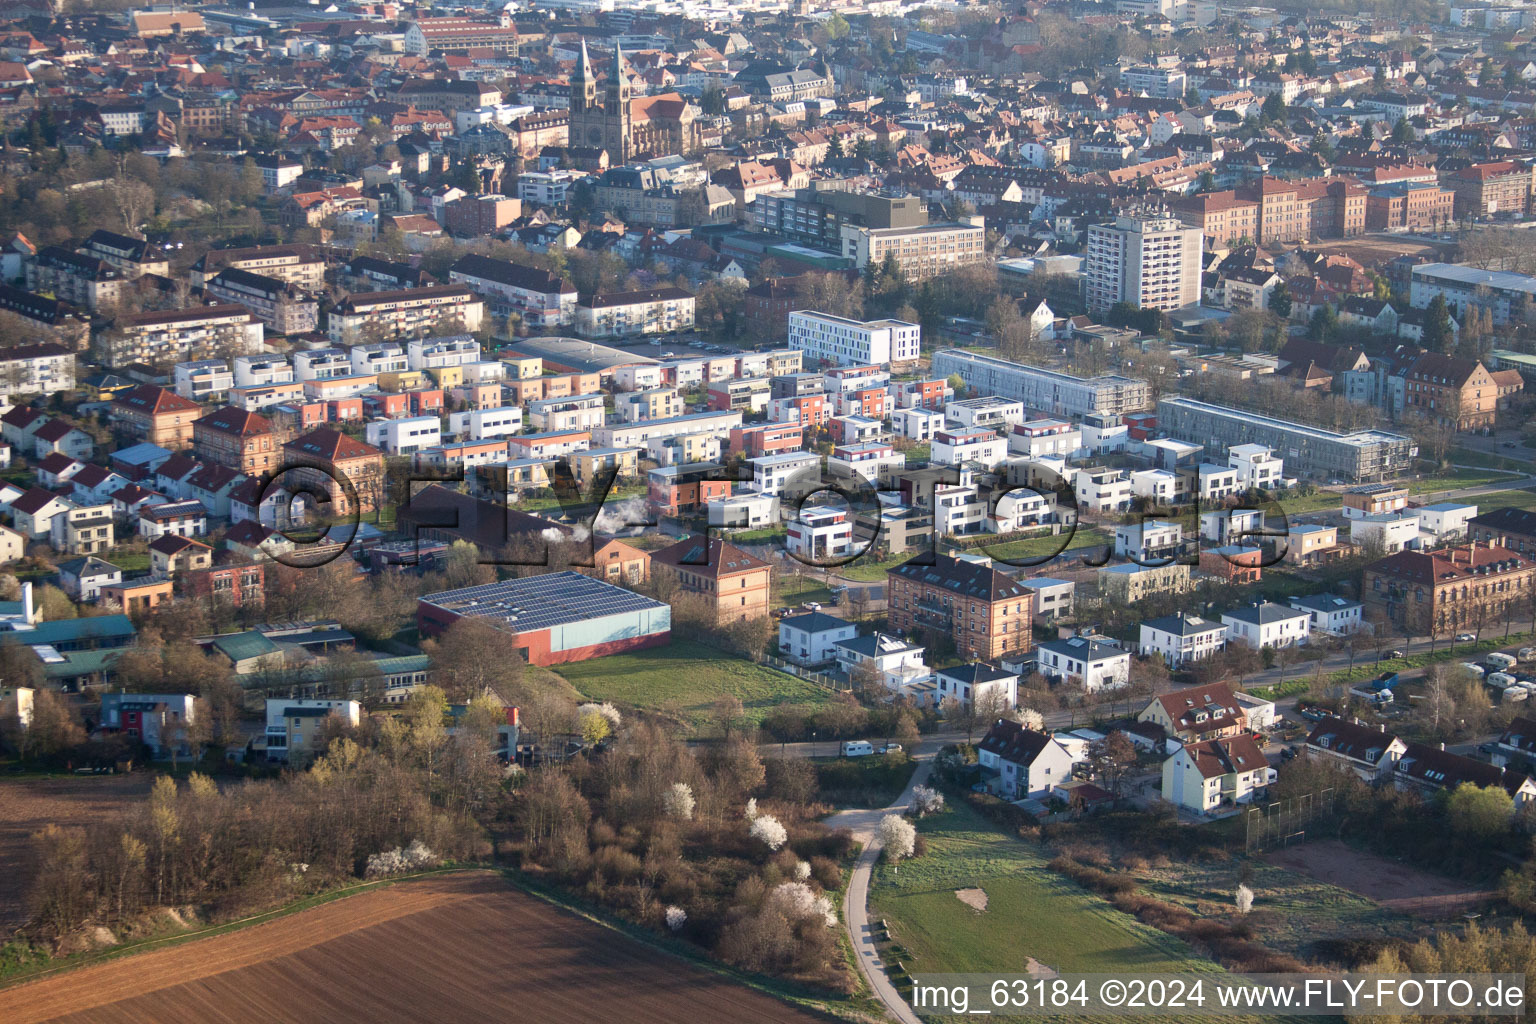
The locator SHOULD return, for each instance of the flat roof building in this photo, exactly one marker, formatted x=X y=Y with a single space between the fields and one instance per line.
x=1060 y=394
x=554 y=618
x=1363 y=455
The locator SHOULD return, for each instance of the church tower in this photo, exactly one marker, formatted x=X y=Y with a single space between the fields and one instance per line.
x=616 y=110
x=583 y=88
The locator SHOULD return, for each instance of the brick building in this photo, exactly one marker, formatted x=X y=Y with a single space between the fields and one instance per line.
x=987 y=614
x=238 y=439
x=735 y=583
x=323 y=457
x=1457 y=588
x=156 y=415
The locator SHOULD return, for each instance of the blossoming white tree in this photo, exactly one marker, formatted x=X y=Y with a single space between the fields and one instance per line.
x=802 y=870
x=1244 y=899
x=899 y=838
x=767 y=829
x=678 y=801
x=751 y=811
x=926 y=800
x=676 y=917
x=798 y=900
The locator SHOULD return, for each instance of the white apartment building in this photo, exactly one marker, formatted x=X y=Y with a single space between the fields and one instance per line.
x=382 y=357
x=408 y=313
x=820 y=533
x=259 y=371
x=42 y=369
x=1392 y=533
x=1256 y=466
x=485 y=424
x=546 y=188
x=1102 y=490
x=1151 y=540
x=1152 y=262
x=812 y=638
x=321 y=364
x=638 y=377
x=539 y=298
x=1216 y=482
x=786 y=474
x=203 y=380
x=870 y=461
x=405 y=436
x=1019 y=509
x=1081 y=661
x=1180 y=639
x=845 y=342
x=745 y=511
x=958 y=510
x=617 y=314
x=435 y=353
x=579 y=412
x=1159 y=485
x=1044 y=438
x=1445 y=520
x=916 y=424
x=1048 y=391
x=1267 y=624
x=1229 y=525
x=978 y=681
x=990 y=413
x=955 y=447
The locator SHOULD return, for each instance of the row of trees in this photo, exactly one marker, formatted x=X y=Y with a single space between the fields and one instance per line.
x=719 y=847
x=249 y=846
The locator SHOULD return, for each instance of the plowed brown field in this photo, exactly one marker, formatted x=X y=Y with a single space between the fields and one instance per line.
x=462 y=947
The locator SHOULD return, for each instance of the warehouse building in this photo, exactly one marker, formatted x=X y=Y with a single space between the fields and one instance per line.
x=1361 y=457
x=1060 y=394
x=554 y=618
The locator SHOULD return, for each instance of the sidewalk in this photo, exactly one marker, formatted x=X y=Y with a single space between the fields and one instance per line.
x=865 y=826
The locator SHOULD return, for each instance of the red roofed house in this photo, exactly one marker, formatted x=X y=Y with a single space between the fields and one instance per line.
x=170 y=555
x=1458 y=588
x=324 y=458
x=1213 y=774
x=238 y=439
x=157 y=415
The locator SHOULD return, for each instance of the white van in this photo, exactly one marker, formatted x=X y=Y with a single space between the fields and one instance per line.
x=1502 y=661
x=1515 y=693
x=857 y=748
x=1501 y=680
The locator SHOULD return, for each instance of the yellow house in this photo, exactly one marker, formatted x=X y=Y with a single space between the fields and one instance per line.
x=170 y=555
x=403 y=380
x=1215 y=774
x=588 y=465
x=524 y=367
x=447 y=376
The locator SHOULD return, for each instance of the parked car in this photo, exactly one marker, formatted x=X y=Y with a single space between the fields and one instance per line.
x=1526 y=654
x=1394 y=653
x=891 y=748
x=1465 y=638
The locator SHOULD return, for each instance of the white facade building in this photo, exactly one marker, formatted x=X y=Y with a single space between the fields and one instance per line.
x=1150 y=262
x=844 y=342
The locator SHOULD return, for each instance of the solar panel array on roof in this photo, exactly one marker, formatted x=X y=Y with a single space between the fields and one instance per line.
x=541 y=602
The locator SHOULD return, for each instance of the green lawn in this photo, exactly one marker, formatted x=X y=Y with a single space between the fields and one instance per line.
x=789 y=589
x=688 y=677
x=130 y=562
x=869 y=570
x=1046 y=546
x=1456 y=480
x=1525 y=499
x=1031 y=911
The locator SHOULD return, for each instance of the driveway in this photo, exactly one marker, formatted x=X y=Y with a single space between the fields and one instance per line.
x=865 y=826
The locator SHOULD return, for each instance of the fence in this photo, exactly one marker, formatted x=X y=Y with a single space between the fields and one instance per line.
x=821 y=679
x=1285 y=822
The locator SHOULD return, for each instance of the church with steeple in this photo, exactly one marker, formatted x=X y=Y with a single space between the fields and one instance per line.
x=627 y=127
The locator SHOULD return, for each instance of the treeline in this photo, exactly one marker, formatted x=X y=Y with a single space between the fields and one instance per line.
x=720 y=848
x=234 y=850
